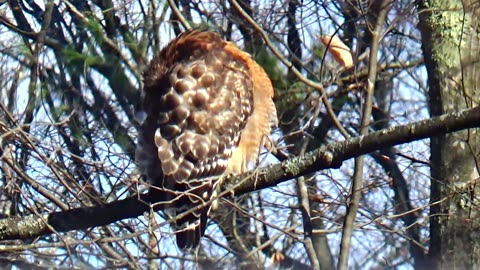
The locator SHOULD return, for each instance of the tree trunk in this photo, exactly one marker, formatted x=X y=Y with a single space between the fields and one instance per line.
x=450 y=40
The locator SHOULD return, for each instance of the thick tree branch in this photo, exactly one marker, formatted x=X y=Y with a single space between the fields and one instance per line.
x=329 y=156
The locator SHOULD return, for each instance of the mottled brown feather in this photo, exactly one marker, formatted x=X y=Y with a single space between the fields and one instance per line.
x=209 y=108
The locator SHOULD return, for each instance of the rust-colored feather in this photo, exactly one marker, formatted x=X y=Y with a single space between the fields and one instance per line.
x=264 y=116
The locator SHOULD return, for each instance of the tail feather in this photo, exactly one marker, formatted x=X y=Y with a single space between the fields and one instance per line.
x=189 y=230
x=188 y=237
x=191 y=227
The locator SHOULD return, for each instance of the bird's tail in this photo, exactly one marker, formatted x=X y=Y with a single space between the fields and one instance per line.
x=190 y=229
x=192 y=213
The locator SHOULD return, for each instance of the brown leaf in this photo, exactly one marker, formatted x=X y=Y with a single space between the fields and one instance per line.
x=340 y=52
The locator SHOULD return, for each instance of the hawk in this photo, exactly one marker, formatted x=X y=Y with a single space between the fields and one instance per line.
x=208 y=111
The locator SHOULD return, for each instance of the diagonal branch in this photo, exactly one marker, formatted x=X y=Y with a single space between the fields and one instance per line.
x=329 y=156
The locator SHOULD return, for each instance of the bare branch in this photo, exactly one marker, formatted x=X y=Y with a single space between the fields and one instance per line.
x=357 y=180
x=329 y=156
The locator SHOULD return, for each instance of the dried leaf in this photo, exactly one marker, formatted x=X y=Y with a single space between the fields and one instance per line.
x=340 y=52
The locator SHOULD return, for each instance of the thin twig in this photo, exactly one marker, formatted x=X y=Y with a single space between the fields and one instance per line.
x=107 y=41
x=356 y=192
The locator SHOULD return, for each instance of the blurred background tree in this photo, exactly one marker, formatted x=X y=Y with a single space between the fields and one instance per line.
x=70 y=79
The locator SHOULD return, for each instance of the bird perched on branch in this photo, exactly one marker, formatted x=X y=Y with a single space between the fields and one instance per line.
x=209 y=110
